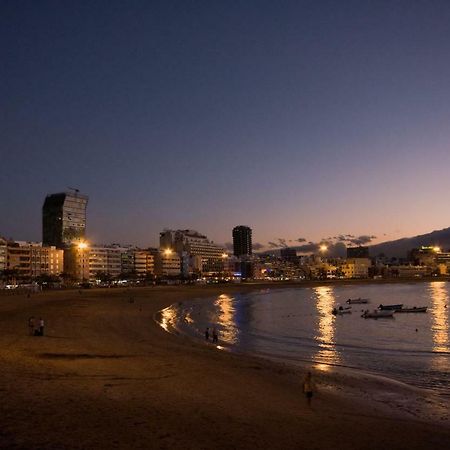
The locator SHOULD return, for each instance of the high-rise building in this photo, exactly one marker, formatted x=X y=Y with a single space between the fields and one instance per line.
x=205 y=256
x=242 y=240
x=64 y=218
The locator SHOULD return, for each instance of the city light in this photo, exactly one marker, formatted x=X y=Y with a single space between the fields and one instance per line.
x=82 y=245
x=323 y=248
x=437 y=249
x=224 y=255
x=167 y=251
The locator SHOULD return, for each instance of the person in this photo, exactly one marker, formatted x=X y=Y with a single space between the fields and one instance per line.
x=215 y=335
x=31 y=325
x=41 y=327
x=309 y=387
x=207 y=334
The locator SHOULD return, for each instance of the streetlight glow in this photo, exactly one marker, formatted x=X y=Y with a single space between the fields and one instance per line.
x=168 y=251
x=82 y=245
x=323 y=248
x=437 y=249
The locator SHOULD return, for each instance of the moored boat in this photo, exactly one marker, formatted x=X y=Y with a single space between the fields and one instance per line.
x=414 y=309
x=357 y=301
x=390 y=307
x=341 y=310
x=378 y=313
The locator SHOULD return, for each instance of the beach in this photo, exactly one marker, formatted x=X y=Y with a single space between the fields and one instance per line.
x=106 y=375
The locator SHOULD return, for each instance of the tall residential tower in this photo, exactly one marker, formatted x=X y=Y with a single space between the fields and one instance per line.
x=242 y=241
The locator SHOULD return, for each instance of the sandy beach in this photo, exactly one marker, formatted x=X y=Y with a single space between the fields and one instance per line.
x=106 y=375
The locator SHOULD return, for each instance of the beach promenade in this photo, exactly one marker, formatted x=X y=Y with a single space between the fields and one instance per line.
x=105 y=375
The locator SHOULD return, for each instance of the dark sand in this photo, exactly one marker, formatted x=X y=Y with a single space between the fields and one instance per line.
x=107 y=376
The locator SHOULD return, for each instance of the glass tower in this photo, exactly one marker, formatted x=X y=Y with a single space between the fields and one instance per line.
x=64 y=218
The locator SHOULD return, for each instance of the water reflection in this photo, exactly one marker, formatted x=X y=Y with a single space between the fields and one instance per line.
x=226 y=318
x=439 y=311
x=326 y=326
x=168 y=317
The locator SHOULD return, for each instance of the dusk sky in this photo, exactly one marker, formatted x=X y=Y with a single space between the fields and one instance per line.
x=302 y=119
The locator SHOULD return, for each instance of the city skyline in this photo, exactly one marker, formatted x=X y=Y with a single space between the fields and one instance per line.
x=303 y=121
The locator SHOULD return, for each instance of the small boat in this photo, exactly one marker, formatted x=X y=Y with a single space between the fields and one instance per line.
x=378 y=313
x=414 y=309
x=341 y=310
x=390 y=307
x=357 y=301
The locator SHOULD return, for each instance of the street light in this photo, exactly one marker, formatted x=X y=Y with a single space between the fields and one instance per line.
x=323 y=248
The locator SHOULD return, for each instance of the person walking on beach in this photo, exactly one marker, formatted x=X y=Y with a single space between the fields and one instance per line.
x=41 y=327
x=31 y=325
x=309 y=387
x=207 y=334
x=215 y=335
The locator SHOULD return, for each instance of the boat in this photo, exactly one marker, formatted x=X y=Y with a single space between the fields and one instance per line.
x=390 y=307
x=414 y=309
x=341 y=310
x=357 y=301
x=378 y=313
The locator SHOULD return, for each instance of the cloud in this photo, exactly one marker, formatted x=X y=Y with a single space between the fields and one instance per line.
x=282 y=242
x=300 y=240
x=273 y=245
x=362 y=240
x=257 y=246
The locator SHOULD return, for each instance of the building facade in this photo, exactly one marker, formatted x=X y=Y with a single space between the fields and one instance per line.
x=242 y=241
x=204 y=256
x=64 y=219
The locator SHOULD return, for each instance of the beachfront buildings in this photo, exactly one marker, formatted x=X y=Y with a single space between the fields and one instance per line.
x=242 y=241
x=167 y=263
x=29 y=260
x=64 y=219
x=199 y=254
x=355 y=267
x=3 y=254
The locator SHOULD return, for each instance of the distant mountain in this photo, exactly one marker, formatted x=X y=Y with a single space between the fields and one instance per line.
x=400 y=247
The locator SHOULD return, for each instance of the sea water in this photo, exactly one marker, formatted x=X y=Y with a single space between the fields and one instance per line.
x=296 y=325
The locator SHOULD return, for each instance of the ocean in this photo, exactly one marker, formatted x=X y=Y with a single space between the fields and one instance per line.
x=297 y=325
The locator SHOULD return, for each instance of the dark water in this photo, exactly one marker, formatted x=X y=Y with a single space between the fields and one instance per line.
x=297 y=325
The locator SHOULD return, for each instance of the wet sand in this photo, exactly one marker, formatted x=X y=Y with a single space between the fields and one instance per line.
x=105 y=375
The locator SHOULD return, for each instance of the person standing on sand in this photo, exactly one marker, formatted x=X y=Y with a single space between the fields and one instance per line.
x=207 y=334
x=215 y=335
x=31 y=325
x=41 y=327
x=309 y=387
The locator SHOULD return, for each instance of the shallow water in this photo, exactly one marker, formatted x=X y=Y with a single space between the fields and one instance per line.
x=297 y=325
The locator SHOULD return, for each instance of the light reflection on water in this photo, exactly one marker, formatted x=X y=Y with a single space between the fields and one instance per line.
x=226 y=318
x=439 y=311
x=326 y=325
x=297 y=325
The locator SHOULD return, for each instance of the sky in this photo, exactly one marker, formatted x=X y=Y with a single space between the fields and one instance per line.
x=301 y=119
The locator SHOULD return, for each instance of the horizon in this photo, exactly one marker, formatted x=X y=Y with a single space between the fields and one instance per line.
x=303 y=121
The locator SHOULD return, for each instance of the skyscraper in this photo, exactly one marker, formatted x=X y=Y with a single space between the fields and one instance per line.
x=64 y=218
x=242 y=240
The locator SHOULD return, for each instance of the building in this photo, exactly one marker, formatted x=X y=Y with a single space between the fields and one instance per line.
x=289 y=254
x=105 y=260
x=355 y=268
x=76 y=261
x=29 y=260
x=357 y=252
x=139 y=261
x=242 y=241
x=167 y=263
x=204 y=256
x=64 y=219
x=3 y=254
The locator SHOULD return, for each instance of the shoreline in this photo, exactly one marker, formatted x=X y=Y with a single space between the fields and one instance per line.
x=407 y=399
x=106 y=374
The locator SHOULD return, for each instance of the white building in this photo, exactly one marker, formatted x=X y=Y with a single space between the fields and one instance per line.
x=205 y=256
